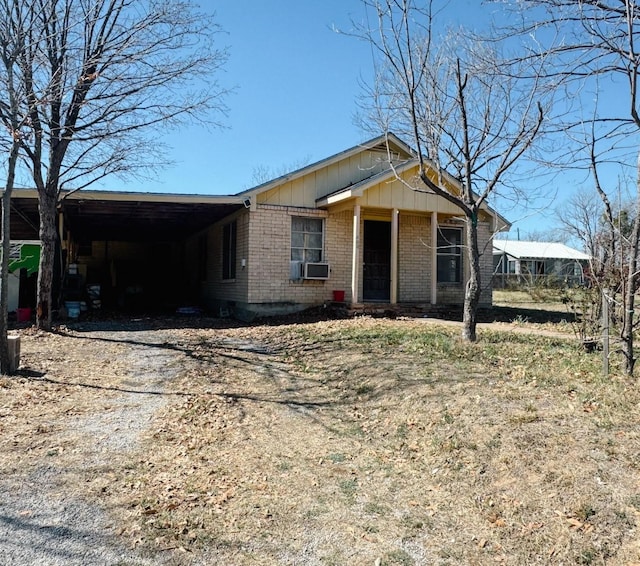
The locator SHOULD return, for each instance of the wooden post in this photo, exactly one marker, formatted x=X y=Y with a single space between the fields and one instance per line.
x=14 y=353
x=355 y=248
x=434 y=258
x=394 y=256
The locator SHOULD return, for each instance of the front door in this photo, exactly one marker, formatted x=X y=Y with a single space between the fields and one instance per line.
x=376 y=282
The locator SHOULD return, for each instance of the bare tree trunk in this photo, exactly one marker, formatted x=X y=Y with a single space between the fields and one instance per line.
x=47 y=203
x=473 y=286
x=631 y=286
x=4 y=282
x=628 y=315
x=5 y=365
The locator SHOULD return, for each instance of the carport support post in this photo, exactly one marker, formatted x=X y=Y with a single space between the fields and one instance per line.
x=63 y=239
x=355 y=267
x=394 y=255
x=434 y=258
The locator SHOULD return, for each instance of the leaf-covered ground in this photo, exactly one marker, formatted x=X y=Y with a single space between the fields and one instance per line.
x=353 y=442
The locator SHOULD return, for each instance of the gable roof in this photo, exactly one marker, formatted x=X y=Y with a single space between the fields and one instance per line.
x=379 y=142
x=356 y=189
x=537 y=250
x=405 y=158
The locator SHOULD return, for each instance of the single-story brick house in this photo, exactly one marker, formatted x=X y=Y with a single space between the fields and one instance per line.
x=347 y=226
x=344 y=224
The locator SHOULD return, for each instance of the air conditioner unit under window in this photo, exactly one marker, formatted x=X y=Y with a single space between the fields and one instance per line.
x=316 y=271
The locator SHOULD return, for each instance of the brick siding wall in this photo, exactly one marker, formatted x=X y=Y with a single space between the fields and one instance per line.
x=265 y=284
x=269 y=260
x=339 y=243
x=213 y=289
x=414 y=259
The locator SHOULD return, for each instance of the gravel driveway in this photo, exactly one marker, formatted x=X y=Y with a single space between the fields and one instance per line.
x=43 y=518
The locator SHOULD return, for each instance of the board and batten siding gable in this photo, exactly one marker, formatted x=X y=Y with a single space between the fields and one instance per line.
x=394 y=193
x=304 y=191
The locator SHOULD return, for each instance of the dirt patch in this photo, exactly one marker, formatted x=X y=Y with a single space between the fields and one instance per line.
x=333 y=442
x=64 y=426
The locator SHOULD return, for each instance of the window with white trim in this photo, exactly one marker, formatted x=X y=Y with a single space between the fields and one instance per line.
x=449 y=255
x=229 y=250
x=306 y=239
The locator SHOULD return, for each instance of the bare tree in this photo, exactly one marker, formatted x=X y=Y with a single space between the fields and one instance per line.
x=264 y=173
x=581 y=218
x=12 y=45
x=461 y=108
x=603 y=231
x=591 y=46
x=98 y=76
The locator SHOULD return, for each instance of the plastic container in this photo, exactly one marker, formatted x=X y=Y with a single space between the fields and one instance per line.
x=73 y=308
x=338 y=296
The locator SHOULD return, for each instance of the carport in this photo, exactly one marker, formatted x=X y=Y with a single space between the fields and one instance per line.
x=130 y=246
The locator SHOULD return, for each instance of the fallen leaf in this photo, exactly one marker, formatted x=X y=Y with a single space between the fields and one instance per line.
x=575 y=523
x=529 y=527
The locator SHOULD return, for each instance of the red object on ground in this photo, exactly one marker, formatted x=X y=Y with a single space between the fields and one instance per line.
x=23 y=315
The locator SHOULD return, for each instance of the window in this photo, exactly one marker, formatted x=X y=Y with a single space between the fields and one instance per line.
x=202 y=257
x=229 y=250
x=449 y=255
x=15 y=251
x=306 y=239
x=532 y=267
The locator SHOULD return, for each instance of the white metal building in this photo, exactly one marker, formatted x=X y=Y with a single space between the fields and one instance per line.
x=529 y=261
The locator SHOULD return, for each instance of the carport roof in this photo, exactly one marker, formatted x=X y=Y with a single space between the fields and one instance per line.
x=129 y=216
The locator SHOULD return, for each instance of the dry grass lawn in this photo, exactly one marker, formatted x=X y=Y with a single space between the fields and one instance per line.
x=350 y=442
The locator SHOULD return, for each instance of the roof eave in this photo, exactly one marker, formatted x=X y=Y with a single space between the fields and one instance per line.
x=338 y=197
x=131 y=196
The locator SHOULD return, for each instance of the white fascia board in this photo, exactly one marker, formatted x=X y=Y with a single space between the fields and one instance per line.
x=152 y=197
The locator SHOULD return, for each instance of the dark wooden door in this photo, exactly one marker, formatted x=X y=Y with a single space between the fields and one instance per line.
x=376 y=282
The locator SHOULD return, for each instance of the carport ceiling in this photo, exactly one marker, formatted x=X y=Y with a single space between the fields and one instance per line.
x=98 y=215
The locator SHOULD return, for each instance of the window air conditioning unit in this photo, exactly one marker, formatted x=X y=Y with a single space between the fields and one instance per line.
x=316 y=271
x=296 y=271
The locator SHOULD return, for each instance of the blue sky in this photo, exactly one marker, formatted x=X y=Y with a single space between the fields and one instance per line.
x=296 y=84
